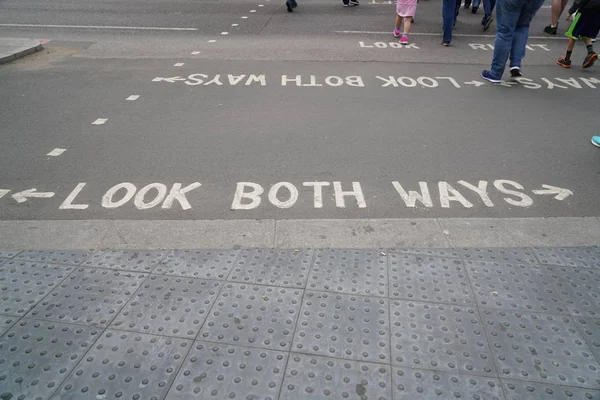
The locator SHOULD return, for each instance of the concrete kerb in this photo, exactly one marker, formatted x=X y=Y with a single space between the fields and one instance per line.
x=12 y=49
x=326 y=233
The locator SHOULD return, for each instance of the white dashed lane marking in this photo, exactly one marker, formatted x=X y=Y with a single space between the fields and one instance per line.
x=56 y=152
x=100 y=121
x=195 y=53
x=179 y=65
x=133 y=97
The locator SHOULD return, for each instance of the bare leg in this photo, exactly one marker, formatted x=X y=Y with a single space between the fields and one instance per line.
x=407 y=24
x=398 y=21
x=571 y=44
x=558 y=6
x=587 y=42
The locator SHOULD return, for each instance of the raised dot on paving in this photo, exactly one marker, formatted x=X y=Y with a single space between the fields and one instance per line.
x=100 y=121
x=210 y=264
x=128 y=260
x=590 y=327
x=579 y=288
x=581 y=257
x=56 y=152
x=125 y=365
x=519 y=390
x=273 y=267
x=509 y=255
x=66 y=257
x=220 y=371
x=37 y=356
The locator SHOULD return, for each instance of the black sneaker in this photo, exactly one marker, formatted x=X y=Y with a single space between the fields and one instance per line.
x=289 y=6
x=550 y=30
x=467 y=3
x=515 y=72
x=487 y=22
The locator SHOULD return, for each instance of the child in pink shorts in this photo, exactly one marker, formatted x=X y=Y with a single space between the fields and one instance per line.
x=405 y=10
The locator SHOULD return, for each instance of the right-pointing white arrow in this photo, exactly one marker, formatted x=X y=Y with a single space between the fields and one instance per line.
x=560 y=193
x=22 y=196
x=475 y=83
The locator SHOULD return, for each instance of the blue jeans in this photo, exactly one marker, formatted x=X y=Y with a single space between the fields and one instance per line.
x=449 y=13
x=488 y=6
x=513 y=19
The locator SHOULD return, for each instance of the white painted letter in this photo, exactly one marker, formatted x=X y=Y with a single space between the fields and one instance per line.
x=283 y=204
x=476 y=46
x=254 y=196
x=541 y=46
x=525 y=201
x=177 y=193
x=411 y=81
x=354 y=81
x=388 y=81
x=216 y=80
x=107 y=201
x=313 y=82
x=196 y=79
x=254 y=78
x=362 y=44
x=68 y=203
x=431 y=83
x=528 y=83
x=318 y=191
x=356 y=192
x=285 y=80
x=411 y=197
x=551 y=84
x=452 y=80
x=571 y=82
x=334 y=81
x=160 y=195
x=481 y=190
x=448 y=194
x=590 y=81
x=235 y=79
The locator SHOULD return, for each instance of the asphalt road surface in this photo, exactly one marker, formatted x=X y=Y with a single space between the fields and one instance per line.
x=240 y=110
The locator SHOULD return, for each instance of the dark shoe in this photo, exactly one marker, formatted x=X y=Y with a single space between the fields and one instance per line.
x=550 y=30
x=474 y=10
x=445 y=43
x=564 y=62
x=515 y=72
x=288 y=4
x=590 y=59
x=487 y=22
x=354 y=2
x=487 y=75
x=467 y=3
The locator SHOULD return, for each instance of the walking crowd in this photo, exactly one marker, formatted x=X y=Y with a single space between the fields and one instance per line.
x=513 y=21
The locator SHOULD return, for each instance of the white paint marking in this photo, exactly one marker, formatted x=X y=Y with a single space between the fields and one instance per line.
x=318 y=189
x=261 y=5
x=133 y=97
x=356 y=192
x=244 y=17
x=481 y=190
x=411 y=198
x=178 y=193
x=252 y=10
x=170 y=80
x=287 y=203
x=107 y=199
x=195 y=53
x=3 y=192
x=525 y=201
x=560 y=193
x=161 y=192
x=137 y=28
x=212 y=41
x=68 y=203
x=475 y=83
x=224 y=33
x=179 y=65
x=100 y=121
x=240 y=194
x=235 y=24
x=448 y=194
x=21 y=197
x=56 y=152
x=437 y=34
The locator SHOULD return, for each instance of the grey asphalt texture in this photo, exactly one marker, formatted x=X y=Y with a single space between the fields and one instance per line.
x=301 y=324
x=221 y=135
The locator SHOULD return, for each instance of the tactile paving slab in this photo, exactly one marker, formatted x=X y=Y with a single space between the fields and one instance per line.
x=273 y=267
x=36 y=356
x=410 y=384
x=126 y=365
x=139 y=261
x=514 y=287
x=23 y=284
x=258 y=316
x=510 y=255
x=169 y=305
x=439 y=336
x=541 y=348
x=590 y=327
x=8 y=254
x=210 y=264
x=6 y=321
x=579 y=288
x=446 y=253
x=221 y=371
x=89 y=296
x=344 y=326
x=425 y=278
x=73 y=258
x=517 y=390
x=350 y=271
x=313 y=377
x=582 y=257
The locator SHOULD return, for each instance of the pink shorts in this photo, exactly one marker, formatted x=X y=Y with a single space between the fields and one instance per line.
x=406 y=8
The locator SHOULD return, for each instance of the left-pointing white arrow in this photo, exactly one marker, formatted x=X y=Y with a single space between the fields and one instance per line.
x=22 y=196
x=560 y=193
x=3 y=192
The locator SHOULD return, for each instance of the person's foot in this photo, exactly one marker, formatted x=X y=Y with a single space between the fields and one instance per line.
x=396 y=33
x=515 y=72
x=487 y=22
x=550 y=30
x=445 y=43
x=467 y=3
x=564 y=62
x=289 y=6
x=474 y=10
x=345 y=3
x=294 y=4
x=590 y=59
x=596 y=141
x=487 y=75
x=404 y=39
x=354 y=2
